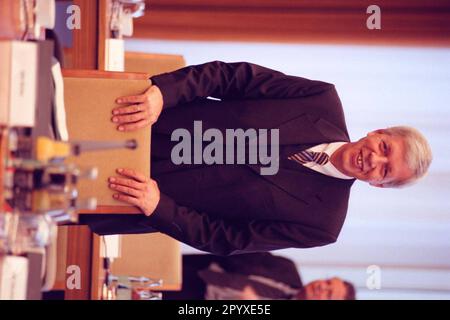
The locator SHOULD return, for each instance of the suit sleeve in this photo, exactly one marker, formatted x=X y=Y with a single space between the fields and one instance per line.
x=240 y=80
x=222 y=237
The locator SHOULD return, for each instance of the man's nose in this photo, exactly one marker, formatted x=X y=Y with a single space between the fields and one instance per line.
x=376 y=159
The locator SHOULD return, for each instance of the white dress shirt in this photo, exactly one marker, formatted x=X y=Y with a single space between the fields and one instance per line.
x=328 y=169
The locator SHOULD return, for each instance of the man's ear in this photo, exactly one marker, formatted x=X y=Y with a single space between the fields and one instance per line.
x=378 y=185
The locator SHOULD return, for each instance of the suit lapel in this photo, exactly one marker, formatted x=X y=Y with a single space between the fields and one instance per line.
x=305 y=129
x=304 y=183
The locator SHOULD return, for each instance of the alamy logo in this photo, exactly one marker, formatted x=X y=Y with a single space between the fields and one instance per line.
x=74 y=20
x=373 y=280
x=373 y=22
x=231 y=149
x=73 y=280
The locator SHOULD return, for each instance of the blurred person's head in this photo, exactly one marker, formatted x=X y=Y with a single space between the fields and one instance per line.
x=391 y=157
x=328 y=289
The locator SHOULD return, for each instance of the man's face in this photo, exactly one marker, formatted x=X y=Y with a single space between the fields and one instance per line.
x=331 y=289
x=378 y=158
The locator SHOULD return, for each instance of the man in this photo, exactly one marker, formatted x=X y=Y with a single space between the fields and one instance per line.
x=254 y=276
x=233 y=208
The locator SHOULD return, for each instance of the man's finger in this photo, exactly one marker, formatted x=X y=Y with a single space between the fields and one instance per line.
x=126 y=190
x=133 y=126
x=127 y=199
x=129 y=117
x=132 y=174
x=127 y=182
x=129 y=109
x=131 y=99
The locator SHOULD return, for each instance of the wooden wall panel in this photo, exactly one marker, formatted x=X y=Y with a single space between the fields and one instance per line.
x=11 y=26
x=421 y=22
x=85 y=39
x=85 y=56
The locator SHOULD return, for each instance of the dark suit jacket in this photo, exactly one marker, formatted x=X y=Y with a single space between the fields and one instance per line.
x=229 y=209
x=237 y=273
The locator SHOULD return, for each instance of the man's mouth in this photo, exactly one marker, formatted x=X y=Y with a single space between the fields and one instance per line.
x=359 y=161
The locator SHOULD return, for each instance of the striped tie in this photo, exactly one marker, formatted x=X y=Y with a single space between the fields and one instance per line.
x=302 y=157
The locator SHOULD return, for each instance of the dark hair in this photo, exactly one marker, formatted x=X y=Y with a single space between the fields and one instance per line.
x=350 y=291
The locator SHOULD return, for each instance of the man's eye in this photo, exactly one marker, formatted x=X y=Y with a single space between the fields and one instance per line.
x=385 y=148
x=385 y=171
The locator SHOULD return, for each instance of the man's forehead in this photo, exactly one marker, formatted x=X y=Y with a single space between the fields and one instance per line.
x=399 y=163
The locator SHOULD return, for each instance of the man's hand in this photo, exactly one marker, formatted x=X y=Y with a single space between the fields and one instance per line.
x=248 y=294
x=143 y=111
x=136 y=189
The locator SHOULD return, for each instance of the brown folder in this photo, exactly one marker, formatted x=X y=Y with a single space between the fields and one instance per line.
x=153 y=63
x=89 y=98
x=153 y=255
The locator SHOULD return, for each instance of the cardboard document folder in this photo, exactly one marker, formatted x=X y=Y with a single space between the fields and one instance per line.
x=89 y=97
x=153 y=63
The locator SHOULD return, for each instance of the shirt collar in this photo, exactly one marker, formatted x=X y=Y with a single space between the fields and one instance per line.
x=329 y=169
